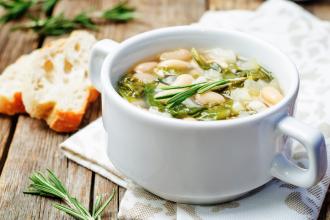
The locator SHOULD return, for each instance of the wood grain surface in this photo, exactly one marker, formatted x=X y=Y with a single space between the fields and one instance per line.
x=27 y=145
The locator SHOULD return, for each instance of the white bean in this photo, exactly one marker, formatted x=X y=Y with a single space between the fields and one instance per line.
x=270 y=96
x=139 y=103
x=237 y=106
x=256 y=105
x=180 y=54
x=145 y=77
x=175 y=64
x=183 y=80
x=146 y=67
x=189 y=119
x=209 y=99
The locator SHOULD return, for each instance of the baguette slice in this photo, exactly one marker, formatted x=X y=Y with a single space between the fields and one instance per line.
x=11 y=86
x=57 y=87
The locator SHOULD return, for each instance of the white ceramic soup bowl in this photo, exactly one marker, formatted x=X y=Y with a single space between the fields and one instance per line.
x=205 y=161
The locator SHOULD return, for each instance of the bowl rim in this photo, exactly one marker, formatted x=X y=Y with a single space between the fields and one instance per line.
x=161 y=120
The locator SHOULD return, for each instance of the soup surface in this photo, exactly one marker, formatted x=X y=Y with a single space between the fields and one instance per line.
x=200 y=85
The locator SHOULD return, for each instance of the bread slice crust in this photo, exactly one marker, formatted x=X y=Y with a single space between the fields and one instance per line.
x=12 y=107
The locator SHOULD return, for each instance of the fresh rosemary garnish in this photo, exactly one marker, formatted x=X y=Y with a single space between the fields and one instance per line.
x=193 y=89
x=51 y=186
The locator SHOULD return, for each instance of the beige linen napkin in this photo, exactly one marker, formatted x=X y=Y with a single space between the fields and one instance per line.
x=306 y=40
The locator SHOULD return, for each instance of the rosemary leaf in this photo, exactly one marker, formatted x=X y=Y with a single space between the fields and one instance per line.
x=48 y=5
x=52 y=26
x=180 y=87
x=96 y=205
x=69 y=211
x=200 y=60
x=119 y=13
x=85 y=21
x=15 y=9
x=101 y=208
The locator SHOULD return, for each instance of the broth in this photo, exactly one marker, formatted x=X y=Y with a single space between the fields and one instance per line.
x=203 y=85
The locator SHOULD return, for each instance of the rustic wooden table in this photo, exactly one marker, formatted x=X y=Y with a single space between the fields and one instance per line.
x=27 y=145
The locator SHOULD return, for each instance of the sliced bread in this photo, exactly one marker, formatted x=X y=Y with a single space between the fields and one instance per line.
x=51 y=83
x=59 y=90
x=11 y=86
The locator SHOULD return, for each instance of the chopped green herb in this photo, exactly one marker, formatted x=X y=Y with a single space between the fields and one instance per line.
x=218 y=112
x=130 y=88
x=149 y=92
x=182 y=111
x=203 y=63
x=257 y=74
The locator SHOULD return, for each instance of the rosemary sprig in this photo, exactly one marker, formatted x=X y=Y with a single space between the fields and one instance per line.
x=59 y=24
x=51 y=186
x=198 y=88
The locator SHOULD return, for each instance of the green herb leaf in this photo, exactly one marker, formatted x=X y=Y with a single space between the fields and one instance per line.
x=100 y=208
x=53 y=26
x=48 y=6
x=69 y=211
x=203 y=63
x=218 y=112
x=149 y=91
x=257 y=74
x=200 y=60
x=51 y=186
x=15 y=9
x=130 y=88
x=182 y=111
x=85 y=21
x=119 y=13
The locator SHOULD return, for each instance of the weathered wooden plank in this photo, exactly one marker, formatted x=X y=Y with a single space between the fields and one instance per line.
x=12 y=45
x=121 y=193
x=35 y=147
x=5 y=130
x=104 y=187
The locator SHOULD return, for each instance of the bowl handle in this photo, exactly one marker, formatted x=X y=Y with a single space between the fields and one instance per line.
x=99 y=52
x=313 y=141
